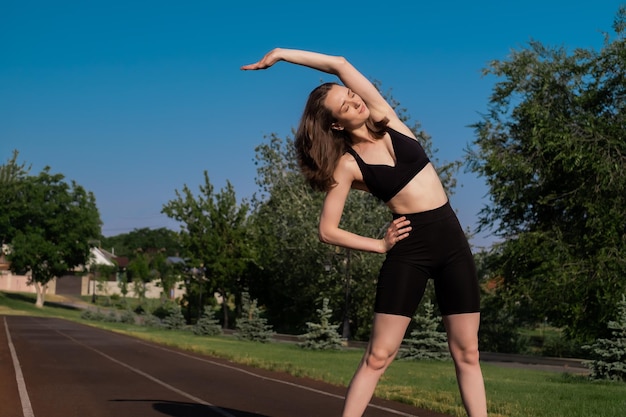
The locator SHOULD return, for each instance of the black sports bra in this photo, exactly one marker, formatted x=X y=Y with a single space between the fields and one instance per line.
x=385 y=181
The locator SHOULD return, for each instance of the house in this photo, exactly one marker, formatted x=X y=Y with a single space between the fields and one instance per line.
x=82 y=280
x=10 y=281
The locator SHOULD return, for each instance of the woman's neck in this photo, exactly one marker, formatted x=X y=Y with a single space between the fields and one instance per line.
x=361 y=134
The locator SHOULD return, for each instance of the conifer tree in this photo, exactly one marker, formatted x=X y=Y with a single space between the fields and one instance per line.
x=251 y=326
x=425 y=341
x=174 y=320
x=322 y=335
x=208 y=325
x=609 y=355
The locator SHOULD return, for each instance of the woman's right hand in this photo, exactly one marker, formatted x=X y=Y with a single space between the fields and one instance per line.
x=398 y=229
x=267 y=61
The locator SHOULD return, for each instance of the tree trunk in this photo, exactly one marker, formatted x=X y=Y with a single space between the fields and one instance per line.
x=224 y=309
x=41 y=294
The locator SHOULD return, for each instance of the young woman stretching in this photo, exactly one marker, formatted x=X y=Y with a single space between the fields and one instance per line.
x=350 y=137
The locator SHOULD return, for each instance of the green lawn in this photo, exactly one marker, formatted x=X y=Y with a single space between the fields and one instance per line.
x=432 y=385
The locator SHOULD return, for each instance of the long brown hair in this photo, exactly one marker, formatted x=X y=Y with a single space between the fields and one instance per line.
x=318 y=146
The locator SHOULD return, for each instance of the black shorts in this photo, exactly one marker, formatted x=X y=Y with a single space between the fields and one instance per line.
x=435 y=248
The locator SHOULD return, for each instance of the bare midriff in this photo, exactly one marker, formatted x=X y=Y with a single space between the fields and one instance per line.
x=424 y=192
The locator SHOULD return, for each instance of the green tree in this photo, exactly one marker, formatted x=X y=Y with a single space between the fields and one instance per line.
x=251 y=325
x=166 y=271
x=139 y=273
x=101 y=274
x=12 y=171
x=213 y=237
x=126 y=244
x=12 y=176
x=50 y=225
x=174 y=319
x=551 y=148
x=425 y=341
x=499 y=314
x=322 y=335
x=207 y=325
x=291 y=275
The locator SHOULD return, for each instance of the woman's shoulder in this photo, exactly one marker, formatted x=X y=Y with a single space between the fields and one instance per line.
x=348 y=173
x=346 y=163
x=346 y=168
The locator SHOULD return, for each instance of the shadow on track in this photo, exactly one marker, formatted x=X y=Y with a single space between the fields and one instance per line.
x=186 y=409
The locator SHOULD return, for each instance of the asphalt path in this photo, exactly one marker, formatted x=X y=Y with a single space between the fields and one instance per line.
x=52 y=368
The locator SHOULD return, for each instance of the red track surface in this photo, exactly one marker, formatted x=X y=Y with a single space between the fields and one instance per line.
x=71 y=370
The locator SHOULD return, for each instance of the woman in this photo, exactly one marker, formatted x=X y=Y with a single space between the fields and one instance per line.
x=350 y=137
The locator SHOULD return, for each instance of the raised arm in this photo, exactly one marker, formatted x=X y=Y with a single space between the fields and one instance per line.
x=338 y=66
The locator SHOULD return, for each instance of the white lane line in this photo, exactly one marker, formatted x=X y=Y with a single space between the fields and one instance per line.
x=234 y=368
x=27 y=408
x=150 y=377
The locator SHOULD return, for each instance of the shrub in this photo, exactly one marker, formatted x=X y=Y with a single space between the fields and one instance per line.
x=111 y=317
x=86 y=315
x=608 y=356
x=151 y=320
x=560 y=346
x=96 y=315
x=127 y=317
x=165 y=309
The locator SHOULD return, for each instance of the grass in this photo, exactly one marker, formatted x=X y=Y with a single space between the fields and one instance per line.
x=432 y=385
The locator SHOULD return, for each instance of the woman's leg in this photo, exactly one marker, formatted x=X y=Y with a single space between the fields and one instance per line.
x=387 y=334
x=462 y=332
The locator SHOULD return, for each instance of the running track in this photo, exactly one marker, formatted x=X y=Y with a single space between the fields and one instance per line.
x=57 y=368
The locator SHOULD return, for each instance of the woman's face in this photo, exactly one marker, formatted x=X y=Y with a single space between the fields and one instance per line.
x=348 y=109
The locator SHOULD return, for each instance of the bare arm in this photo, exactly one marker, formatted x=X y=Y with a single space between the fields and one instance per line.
x=329 y=231
x=332 y=210
x=340 y=67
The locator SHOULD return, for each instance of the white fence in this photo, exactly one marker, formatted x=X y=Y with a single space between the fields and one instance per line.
x=84 y=285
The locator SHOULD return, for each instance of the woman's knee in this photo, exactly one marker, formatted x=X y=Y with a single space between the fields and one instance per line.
x=463 y=337
x=378 y=358
x=467 y=354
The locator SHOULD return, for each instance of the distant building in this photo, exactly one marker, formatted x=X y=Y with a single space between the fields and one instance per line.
x=83 y=280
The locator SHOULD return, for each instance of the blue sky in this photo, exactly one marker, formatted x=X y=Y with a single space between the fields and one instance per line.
x=135 y=99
